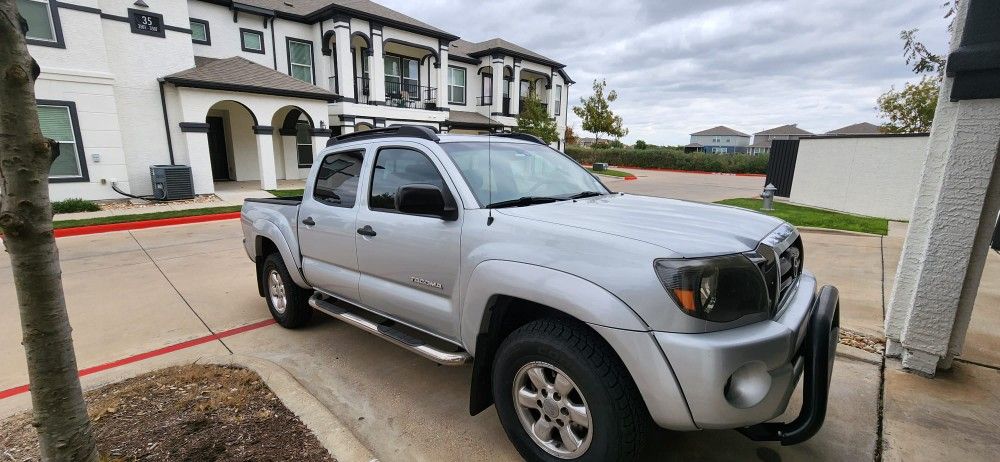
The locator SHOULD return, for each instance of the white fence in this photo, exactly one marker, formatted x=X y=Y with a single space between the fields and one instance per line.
x=875 y=175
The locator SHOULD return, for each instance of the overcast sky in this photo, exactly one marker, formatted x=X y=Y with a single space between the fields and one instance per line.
x=681 y=66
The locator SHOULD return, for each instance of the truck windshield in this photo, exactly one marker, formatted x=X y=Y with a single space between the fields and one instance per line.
x=523 y=174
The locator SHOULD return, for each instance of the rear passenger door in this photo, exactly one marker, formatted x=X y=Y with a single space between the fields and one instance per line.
x=410 y=266
x=326 y=224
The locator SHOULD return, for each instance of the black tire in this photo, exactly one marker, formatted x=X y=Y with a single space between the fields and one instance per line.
x=297 y=311
x=619 y=416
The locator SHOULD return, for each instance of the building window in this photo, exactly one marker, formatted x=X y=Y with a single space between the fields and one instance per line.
x=402 y=78
x=558 y=102
x=252 y=40
x=43 y=22
x=716 y=139
x=456 y=85
x=200 y=33
x=300 y=60
x=720 y=150
x=58 y=121
x=303 y=143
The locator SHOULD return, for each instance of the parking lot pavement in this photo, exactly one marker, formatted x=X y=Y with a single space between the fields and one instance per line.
x=699 y=187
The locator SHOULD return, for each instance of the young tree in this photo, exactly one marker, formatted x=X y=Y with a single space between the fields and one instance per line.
x=640 y=144
x=534 y=119
x=910 y=110
x=596 y=113
x=570 y=137
x=59 y=411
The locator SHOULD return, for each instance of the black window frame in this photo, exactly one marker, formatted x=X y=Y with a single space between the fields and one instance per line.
x=84 y=173
x=312 y=56
x=449 y=198
x=357 y=194
x=307 y=126
x=402 y=80
x=263 y=47
x=465 y=87
x=208 y=32
x=57 y=32
x=558 y=102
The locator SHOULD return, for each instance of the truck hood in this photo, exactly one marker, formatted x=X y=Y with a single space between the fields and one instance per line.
x=689 y=229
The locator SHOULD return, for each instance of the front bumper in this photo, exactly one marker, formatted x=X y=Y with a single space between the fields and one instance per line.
x=744 y=376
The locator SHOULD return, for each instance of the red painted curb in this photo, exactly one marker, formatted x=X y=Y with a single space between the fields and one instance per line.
x=150 y=354
x=94 y=229
x=631 y=177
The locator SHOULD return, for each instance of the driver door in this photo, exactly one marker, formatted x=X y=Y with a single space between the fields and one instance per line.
x=409 y=263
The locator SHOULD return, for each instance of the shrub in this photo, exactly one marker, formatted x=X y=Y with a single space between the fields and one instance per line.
x=671 y=158
x=640 y=144
x=74 y=205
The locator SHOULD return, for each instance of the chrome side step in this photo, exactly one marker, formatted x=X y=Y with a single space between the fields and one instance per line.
x=390 y=333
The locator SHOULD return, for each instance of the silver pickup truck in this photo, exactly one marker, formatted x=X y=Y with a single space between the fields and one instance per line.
x=587 y=314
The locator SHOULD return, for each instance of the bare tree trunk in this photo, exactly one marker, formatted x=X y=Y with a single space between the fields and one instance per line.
x=60 y=414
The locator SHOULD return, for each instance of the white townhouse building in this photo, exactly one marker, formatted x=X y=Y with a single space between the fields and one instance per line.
x=250 y=90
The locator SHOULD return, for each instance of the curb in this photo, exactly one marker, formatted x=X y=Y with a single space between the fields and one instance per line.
x=331 y=432
x=700 y=172
x=142 y=224
x=842 y=232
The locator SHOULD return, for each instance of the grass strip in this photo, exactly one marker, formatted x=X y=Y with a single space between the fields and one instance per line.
x=800 y=215
x=610 y=172
x=144 y=216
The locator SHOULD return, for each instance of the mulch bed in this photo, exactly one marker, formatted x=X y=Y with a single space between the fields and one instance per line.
x=186 y=413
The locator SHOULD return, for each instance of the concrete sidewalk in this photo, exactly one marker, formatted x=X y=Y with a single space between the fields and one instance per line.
x=132 y=292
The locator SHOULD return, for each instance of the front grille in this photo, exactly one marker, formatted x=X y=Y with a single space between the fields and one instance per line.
x=779 y=257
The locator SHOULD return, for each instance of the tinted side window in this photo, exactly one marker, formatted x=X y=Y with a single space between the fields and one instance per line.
x=337 y=179
x=395 y=167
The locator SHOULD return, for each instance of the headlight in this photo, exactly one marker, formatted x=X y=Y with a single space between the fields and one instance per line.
x=717 y=289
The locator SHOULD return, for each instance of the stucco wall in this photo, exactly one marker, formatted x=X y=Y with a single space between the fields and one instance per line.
x=876 y=176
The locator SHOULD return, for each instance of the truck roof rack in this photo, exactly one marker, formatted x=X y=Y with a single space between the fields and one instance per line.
x=521 y=136
x=409 y=131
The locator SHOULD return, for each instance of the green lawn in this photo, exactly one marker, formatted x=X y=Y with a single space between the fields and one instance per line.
x=144 y=216
x=286 y=192
x=610 y=172
x=807 y=216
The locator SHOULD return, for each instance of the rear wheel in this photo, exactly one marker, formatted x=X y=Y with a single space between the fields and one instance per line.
x=562 y=394
x=288 y=303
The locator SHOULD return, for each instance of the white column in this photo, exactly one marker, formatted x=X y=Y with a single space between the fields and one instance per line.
x=345 y=68
x=265 y=156
x=442 y=65
x=515 y=95
x=289 y=156
x=497 y=65
x=376 y=69
x=948 y=238
x=346 y=125
x=196 y=141
x=550 y=100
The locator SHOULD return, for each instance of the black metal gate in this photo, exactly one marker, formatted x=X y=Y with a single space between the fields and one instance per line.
x=781 y=165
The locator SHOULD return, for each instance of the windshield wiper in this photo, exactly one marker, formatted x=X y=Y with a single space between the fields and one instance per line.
x=583 y=194
x=522 y=201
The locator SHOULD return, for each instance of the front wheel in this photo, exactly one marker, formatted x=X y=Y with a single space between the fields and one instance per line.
x=562 y=394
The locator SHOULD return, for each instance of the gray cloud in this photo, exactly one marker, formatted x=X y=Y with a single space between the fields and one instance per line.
x=681 y=65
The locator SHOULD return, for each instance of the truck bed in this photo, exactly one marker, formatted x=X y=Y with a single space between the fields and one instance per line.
x=290 y=200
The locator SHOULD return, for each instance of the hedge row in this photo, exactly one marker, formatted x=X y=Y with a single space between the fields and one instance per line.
x=671 y=158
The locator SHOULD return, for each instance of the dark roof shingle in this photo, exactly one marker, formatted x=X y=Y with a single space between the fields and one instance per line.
x=720 y=130
x=863 y=128
x=790 y=129
x=307 y=7
x=240 y=74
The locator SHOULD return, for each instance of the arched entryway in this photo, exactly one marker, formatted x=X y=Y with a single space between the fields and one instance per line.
x=232 y=145
x=293 y=142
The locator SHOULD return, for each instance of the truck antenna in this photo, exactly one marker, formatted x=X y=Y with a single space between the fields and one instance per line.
x=489 y=171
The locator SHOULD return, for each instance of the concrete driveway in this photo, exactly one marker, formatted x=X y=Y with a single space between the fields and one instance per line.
x=130 y=293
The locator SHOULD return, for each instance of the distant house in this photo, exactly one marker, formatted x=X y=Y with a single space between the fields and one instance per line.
x=863 y=128
x=586 y=142
x=762 y=139
x=719 y=140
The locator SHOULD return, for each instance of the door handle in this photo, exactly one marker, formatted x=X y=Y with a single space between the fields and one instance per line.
x=308 y=221
x=367 y=231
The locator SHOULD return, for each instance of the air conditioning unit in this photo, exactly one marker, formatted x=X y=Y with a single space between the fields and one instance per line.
x=171 y=182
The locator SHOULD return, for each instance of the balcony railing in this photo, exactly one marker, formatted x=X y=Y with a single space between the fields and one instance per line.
x=363 y=90
x=409 y=95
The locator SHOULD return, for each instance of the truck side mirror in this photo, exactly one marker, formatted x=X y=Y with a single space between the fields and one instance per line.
x=425 y=199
